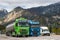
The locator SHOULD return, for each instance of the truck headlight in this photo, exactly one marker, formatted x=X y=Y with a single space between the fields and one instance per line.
x=32 y=29
x=31 y=33
x=37 y=29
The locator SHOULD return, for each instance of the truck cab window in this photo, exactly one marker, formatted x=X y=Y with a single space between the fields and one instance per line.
x=23 y=24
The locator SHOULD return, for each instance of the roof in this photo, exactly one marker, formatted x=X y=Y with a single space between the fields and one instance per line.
x=33 y=22
x=44 y=27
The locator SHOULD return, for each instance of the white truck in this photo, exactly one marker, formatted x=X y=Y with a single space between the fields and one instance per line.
x=44 y=31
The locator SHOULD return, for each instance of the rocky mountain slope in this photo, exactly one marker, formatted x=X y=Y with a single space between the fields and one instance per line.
x=16 y=13
x=50 y=10
x=3 y=13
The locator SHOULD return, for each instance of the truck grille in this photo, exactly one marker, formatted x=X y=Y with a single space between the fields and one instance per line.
x=23 y=31
x=35 y=33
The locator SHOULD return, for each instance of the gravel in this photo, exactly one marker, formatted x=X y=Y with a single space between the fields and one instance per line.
x=52 y=37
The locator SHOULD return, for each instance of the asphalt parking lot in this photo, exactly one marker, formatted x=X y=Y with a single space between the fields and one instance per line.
x=52 y=37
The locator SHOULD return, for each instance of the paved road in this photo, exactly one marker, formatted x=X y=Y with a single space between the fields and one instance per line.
x=52 y=37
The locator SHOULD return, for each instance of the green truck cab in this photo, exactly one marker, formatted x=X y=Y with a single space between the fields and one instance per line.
x=20 y=28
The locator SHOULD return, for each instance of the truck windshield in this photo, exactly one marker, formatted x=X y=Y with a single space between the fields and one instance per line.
x=35 y=26
x=23 y=24
x=45 y=30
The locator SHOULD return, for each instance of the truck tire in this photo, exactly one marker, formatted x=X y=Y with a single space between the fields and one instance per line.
x=48 y=34
x=26 y=36
x=8 y=33
x=13 y=36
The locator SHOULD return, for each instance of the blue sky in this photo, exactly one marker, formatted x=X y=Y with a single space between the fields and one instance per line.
x=10 y=4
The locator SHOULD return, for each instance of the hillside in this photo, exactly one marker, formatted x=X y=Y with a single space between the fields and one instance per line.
x=42 y=14
x=50 y=10
x=16 y=13
x=3 y=13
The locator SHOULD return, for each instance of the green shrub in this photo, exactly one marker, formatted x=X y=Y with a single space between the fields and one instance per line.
x=56 y=31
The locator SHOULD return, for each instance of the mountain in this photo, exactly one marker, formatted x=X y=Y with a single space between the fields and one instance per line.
x=50 y=10
x=15 y=14
x=3 y=12
x=32 y=13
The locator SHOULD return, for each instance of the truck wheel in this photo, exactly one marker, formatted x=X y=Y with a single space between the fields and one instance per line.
x=20 y=36
x=48 y=34
x=26 y=36
x=8 y=34
x=13 y=36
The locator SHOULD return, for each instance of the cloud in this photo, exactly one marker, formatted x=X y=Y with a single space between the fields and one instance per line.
x=10 y=4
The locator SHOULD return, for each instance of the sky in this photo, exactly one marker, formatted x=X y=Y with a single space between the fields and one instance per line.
x=11 y=4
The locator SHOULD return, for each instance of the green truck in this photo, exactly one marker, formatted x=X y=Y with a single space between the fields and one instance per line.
x=19 y=28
